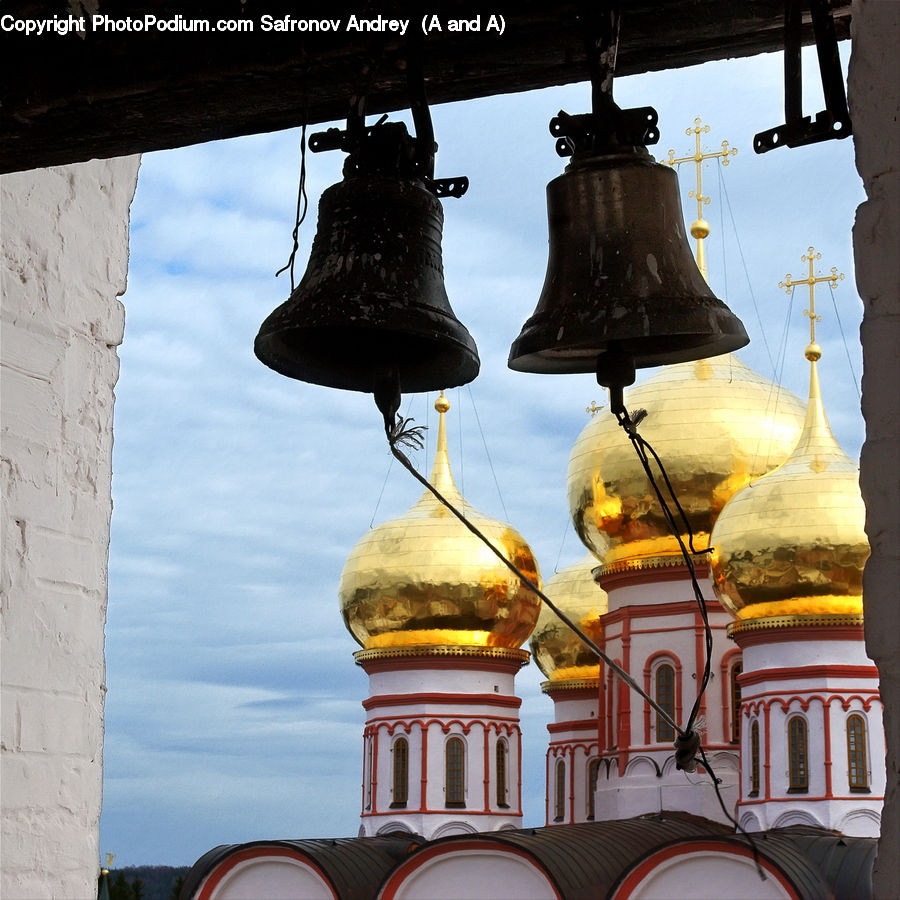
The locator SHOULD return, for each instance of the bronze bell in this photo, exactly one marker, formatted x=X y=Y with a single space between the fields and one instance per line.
x=621 y=278
x=372 y=299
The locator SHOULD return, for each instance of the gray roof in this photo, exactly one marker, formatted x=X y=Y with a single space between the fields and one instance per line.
x=355 y=867
x=589 y=860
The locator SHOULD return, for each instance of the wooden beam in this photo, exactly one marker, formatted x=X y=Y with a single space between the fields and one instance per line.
x=68 y=98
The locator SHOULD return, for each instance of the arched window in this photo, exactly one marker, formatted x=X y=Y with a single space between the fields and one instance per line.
x=369 y=779
x=455 y=770
x=754 y=759
x=501 y=755
x=856 y=754
x=798 y=756
x=665 y=697
x=593 y=773
x=401 y=772
x=560 y=810
x=736 y=670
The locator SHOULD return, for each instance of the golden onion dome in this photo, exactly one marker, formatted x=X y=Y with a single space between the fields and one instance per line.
x=715 y=423
x=558 y=651
x=793 y=543
x=424 y=580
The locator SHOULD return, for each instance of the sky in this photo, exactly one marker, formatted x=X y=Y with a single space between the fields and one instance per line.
x=234 y=710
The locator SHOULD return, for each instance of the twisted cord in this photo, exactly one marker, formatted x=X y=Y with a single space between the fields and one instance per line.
x=302 y=209
x=687 y=745
x=403 y=434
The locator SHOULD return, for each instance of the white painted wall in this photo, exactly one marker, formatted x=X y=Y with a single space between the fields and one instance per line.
x=711 y=876
x=874 y=96
x=856 y=814
x=473 y=874
x=424 y=722
x=64 y=259
x=675 y=634
x=275 y=878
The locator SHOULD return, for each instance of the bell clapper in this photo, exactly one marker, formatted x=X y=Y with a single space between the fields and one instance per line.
x=386 y=389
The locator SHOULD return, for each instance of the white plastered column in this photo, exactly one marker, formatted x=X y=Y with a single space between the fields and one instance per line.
x=874 y=96
x=64 y=234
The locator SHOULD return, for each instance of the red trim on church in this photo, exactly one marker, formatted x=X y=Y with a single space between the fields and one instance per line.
x=454 y=663
x=785 y=633
x=575 y=725
x=651 y=576
x=654 y=610
x=441 y=699
x=728 y=660
x=806 y=798
x=803 y=672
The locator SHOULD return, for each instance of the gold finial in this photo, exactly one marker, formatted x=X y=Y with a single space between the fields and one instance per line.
x=442 y=404
x=813 y=351
x=700 y=228
x=593 y=409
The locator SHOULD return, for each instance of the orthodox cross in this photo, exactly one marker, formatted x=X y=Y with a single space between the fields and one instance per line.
x=700 y=228
x=789 y=284
x=593 y=409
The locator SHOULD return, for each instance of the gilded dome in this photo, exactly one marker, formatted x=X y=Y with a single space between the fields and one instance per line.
x=793 y=542
x=558 y=651
x=424 y=579
x=715 y=423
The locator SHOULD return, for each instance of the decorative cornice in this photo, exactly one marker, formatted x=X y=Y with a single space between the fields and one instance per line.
x=441 y=657
x=639 y=570
x=806 y=621
x=435 y=699
x=575 y=684
x=575 y=725
x=805 y=673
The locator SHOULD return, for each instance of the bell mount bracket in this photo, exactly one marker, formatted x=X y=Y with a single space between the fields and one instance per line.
x=387 y=148
x=833 y=122
x=607 y=126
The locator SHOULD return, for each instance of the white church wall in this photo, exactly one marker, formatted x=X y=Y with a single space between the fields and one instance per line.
x=481 y=710
x=718 y=872
x=874 y=97
x=822 y=682
x=64 y=262
x=435 y=680
x=476 y=874
x=272 y=877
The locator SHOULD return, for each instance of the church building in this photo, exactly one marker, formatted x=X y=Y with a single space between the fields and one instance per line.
x=790 y=719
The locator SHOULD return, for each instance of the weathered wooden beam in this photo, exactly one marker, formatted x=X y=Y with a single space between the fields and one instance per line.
x=68 y=98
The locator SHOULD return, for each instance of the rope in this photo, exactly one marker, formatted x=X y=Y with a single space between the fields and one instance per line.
x=302 y=209
x=487 y=452
x=402 y=434
x=687 y=743
x=762 y=330
x=722 y=219
x=386 y=476
x=562 y=544
x=629 y=423
x=837 y=315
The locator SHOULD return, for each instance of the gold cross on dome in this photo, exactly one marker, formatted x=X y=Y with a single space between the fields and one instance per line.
x=812 y=280
x=593 y=409
x=700 y=228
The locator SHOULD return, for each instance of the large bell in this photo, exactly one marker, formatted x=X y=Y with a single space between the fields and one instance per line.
x=621 y=277
x=372 y=299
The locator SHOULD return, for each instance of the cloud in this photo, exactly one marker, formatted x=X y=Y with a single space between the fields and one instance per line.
x=233 y=710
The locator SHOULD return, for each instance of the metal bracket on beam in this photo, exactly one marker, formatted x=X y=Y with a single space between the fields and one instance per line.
x=833 y=121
